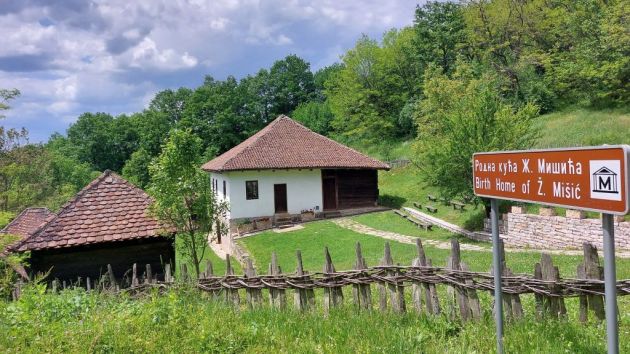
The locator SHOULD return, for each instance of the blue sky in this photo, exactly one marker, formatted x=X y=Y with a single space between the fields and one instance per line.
x=73 y=56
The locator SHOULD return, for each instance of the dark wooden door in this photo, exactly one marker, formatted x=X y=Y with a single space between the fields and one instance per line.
x=329 y=186
x=280 y=197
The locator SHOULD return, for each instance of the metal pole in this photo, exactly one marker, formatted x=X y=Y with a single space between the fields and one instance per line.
x=496 y=263
x=610 y=283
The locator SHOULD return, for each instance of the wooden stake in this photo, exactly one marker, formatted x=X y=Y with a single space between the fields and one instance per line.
x=361 y=292
x=333 y=296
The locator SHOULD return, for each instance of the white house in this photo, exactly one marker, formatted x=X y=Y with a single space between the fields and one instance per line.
x=287 y=171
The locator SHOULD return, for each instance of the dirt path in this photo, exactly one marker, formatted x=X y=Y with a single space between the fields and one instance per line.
x=350 y=224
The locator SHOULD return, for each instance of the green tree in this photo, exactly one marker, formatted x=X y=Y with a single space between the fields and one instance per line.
x=463 y=115
x=440 y=34
x=315 y=115
x=183 y=195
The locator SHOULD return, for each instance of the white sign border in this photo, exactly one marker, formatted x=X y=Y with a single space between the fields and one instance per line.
x=625 y=148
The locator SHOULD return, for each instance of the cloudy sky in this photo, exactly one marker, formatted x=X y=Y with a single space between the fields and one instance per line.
x=74 y=56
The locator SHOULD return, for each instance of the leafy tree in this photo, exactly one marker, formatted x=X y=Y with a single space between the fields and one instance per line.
x=183 y=195
x=463 y=115
x=314 y=115
x=103 y=141
x=291 y=83
x=440 y=34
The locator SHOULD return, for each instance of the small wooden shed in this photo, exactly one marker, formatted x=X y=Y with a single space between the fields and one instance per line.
x=105 y=223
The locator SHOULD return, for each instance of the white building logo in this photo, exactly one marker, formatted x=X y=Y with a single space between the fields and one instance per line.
x=605 y=182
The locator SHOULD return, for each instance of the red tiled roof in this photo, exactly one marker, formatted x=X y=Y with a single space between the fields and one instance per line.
x=28 y=222
x=107 y=209
x=284 y=143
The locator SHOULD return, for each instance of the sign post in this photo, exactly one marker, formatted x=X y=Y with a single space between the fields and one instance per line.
x=590 y=178
x=496 y=265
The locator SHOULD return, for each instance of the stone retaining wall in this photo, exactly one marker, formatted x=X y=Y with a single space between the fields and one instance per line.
x=550 y=231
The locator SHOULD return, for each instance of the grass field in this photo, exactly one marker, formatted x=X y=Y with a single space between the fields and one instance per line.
x=218 y=264
x=183 y=321
x=583 y=127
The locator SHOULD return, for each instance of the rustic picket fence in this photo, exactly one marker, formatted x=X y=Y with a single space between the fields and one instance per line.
x=391 y=280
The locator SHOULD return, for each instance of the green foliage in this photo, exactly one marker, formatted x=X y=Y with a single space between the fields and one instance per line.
x=367 y=94
x=9 y=262
x=7 y=95
x=461 y=116
x=183 y=196
x=76 y=321
x=314 y=115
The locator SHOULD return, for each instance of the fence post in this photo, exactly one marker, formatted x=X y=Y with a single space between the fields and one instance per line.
x=231 y=295
x=167 y=273
x=473 y=299
x=88 y=283
x=277 y=297
x=134 y=275
x=592 y=270
x=513 y=306
x=110 y=273
x=333 y=295
x=149 y=277
x=552 y=305
x=304 y=298
x=540 y=300
x=254 y=295
x=461 y=296
x=209 y=271
x=361 y=292
x=395 y=289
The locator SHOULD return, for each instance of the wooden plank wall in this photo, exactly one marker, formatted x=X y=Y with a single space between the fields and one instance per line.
x=355 y=188
x=90 y=261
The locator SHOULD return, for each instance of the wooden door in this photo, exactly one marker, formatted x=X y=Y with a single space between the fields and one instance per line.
x=329 y=185
x=280 y=198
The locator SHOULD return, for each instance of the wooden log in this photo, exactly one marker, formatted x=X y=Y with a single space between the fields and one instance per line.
x=539 y=299
x=149 y=275
x=304 y=298
x=333 y=296
x=395 y=290
x=167 y=273
x=231 y=295
x=110 y=273
x=552 y=305
x=592 y=270
x=515 y=300
x=254 y=296
x=277 y=297
x=134 y=275
x=583 y=314
x=473 y=299
x=429 y=289
x=435 y=300
x=562 y=309
x=362 y=292
x=416 y=289
x=461 y=293
x=209 y=271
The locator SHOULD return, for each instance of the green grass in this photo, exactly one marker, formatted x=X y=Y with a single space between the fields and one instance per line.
x=218 y=264
x=388 y=221
x=403 y=186
x=183 y=321
x=341 y=243
x=584 y=127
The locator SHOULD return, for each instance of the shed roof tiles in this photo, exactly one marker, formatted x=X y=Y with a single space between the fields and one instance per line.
x=286 y=144
x=107 y=209
x=28 y=221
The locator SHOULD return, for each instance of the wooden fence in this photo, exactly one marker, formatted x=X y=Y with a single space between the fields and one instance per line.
x=392 y=281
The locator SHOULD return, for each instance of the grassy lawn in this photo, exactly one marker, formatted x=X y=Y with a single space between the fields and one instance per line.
x=403 y=186
x=388 y=221
x=218 y=264
x=341 y=243
x=583 y=127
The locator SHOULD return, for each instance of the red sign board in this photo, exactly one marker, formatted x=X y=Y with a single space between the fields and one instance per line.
x=593 y=178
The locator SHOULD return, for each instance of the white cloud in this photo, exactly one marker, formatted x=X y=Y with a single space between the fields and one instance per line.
x=113 y=55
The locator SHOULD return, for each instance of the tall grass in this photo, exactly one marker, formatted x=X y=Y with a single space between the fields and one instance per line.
x=185 y=321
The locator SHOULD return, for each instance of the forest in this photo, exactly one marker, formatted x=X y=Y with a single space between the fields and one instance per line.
x=489 y=67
